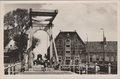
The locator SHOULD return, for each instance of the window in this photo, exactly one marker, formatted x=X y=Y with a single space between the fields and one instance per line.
x=68 y=41
x=67 y=45
x=60 y=61
x=67 y=62
x=67 y=51
x=67 y=58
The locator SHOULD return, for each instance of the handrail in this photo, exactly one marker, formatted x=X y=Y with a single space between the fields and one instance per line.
x=95 y=66
x=11 y=68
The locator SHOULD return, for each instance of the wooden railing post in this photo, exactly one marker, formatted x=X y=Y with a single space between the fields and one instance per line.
x=8 y=70
x=96 y=70
x=12 y=69
x=109 y=68
x=86 y=68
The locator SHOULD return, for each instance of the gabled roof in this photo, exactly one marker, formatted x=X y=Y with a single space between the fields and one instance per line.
x=97 y=46
x=71 y=33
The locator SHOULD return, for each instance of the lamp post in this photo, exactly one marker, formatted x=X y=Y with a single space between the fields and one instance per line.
x=86 y=49
x=87 y=63
x=103 y=44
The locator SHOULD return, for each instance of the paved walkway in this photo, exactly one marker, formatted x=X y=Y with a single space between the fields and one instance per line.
x=39 y=70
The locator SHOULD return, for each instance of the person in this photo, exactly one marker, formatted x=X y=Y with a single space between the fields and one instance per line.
x=22 y=67
x=45 y=65
x=23 y=63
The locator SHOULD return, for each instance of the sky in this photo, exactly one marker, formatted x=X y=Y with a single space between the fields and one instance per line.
x=84 y=18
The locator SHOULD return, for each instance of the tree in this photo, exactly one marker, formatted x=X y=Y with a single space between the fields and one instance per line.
x=20 y=16
x=35 y=42
x=21 y=41
x=19 y=21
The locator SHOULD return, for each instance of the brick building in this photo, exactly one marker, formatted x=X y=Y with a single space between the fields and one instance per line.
x=72 y=50
x=97 y=53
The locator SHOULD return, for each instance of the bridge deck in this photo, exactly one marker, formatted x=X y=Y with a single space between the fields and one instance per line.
x=39 y=70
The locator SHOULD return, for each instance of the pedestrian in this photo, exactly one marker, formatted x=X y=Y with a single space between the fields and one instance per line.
x=45 y=65
x=22 y=67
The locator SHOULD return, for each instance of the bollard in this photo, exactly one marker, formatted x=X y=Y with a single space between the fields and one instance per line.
x=12 y=69
x=9 y=70
x=96 y=68
x=109 y=68
x=86 y=66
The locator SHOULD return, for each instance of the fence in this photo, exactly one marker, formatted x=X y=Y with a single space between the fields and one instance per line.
x=12 y=69
x=91 y=68
x=98 y=69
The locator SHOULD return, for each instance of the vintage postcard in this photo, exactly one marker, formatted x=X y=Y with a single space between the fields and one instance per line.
x=60 y=39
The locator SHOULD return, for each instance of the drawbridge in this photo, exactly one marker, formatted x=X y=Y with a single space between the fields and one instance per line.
x=42 y=20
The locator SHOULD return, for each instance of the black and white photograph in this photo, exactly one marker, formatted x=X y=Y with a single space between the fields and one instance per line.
x=60 y=38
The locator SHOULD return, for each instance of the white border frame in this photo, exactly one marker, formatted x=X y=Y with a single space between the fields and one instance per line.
x=107 y=76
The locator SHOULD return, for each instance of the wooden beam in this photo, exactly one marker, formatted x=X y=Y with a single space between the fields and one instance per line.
x=44 y=13
x=54 y=13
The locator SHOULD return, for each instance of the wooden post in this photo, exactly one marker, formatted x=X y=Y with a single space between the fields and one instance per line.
x=86 y=68
x=79 y=68
x=56 y=55
x=9 y=70
x=30 y=55
x=12 y=69
x=109 y=68
x=96 y=68
x=74 y=66
x=51 y=46
x=30 y=42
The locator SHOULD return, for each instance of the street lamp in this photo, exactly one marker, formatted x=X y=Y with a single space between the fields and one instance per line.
x=104 y=45
x=86 y=48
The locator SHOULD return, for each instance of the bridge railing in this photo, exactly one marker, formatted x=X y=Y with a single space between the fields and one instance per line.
x=12 y=69
x=101 y=68
x=93 y=68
